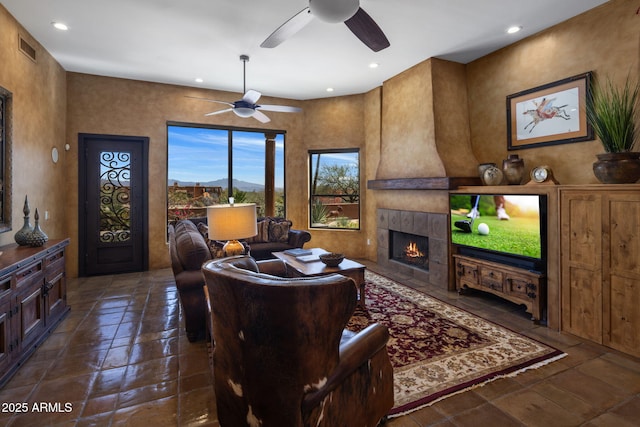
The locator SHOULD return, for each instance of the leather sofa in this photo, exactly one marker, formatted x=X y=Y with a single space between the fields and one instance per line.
x=188 y=250
x=282 y=356
x=262 y=248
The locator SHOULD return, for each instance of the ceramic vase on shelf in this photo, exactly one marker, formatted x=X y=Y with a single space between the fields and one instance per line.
x=21 y=236
x=492 y=176
x=513 y=169
x=37 y=237
x=617 y=168
x=482 y=167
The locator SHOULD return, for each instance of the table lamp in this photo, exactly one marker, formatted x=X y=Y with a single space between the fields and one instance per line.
x=232 y=222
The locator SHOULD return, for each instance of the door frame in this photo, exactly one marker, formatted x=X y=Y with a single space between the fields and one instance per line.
x=83 y=140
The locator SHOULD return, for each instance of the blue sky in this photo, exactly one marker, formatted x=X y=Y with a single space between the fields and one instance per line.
x=200 y=155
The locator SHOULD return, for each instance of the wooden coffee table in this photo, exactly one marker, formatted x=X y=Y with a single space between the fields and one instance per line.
x=347 y=268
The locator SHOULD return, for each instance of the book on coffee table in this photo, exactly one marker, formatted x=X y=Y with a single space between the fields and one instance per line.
x=308 y=258
x=298 y=252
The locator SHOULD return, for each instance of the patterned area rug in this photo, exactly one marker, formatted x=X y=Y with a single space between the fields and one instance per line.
x=438 y=350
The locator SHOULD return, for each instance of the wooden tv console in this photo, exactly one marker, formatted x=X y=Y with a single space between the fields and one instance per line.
x=514 y=284
x=33 y=300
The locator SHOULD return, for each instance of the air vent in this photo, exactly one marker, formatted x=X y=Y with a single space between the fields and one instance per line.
x=27 y=49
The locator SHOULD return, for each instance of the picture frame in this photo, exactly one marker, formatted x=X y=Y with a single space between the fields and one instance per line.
x=551 y=114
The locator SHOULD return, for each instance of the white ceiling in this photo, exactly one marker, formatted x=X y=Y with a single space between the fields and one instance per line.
x=176 y=41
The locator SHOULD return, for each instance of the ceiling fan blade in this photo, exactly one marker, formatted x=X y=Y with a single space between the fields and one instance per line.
x=251 y=96
x=230 y=104
x=261 y=117
x=289 y=28
x=280 y=108
x=366 y=29
x=213 y=113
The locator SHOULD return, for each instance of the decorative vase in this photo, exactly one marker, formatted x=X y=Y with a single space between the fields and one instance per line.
x=37 y=237
x=513 y=169
x=493 y=176
x=617 y=168
x=21 y=236
x=483 y=167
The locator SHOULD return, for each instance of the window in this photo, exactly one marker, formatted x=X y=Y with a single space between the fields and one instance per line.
x=335 y=189
x=203 y=161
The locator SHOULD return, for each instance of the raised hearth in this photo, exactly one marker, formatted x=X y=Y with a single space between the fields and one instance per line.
x=432 y=226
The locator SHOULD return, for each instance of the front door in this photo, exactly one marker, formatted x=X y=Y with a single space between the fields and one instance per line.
x=113 y=176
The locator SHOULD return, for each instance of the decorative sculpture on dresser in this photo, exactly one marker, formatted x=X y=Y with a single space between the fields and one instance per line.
x=37 y=237
x=21 y=236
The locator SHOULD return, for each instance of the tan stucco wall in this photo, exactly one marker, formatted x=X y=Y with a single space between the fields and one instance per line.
x=334 y=123
x=605 y=40
x=39 y=99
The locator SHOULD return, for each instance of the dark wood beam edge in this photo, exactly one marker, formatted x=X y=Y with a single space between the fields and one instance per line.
x=437 y=183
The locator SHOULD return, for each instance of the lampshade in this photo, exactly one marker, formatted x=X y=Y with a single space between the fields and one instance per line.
x=232 y=222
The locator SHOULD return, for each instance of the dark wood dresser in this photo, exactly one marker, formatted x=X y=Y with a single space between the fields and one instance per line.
x=33 y=300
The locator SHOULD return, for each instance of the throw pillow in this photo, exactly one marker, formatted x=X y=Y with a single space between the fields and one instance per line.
x=204 y=230
x=263 y=232
x=215 y=247
x=279 y=231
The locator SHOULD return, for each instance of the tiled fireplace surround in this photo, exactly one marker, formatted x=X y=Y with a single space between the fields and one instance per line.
x=428 y=224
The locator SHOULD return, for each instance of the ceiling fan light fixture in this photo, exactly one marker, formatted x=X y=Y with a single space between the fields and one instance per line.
x=334 y=11
x=243 y=112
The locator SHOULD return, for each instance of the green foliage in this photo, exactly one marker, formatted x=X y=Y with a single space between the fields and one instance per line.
x=239 y=196
x=340 y=180
x=178 y=198
x=319 y=212
x=613 y=112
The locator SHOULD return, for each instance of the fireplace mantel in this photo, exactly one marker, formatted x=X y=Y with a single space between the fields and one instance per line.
x=434 y=183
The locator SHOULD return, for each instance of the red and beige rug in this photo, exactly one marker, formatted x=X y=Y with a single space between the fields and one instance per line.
x=438 y=350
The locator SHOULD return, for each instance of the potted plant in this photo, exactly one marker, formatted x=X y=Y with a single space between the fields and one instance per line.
x=612 y=112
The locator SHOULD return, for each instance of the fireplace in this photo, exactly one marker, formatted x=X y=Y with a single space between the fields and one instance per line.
x=410 y=249
x=429 y=233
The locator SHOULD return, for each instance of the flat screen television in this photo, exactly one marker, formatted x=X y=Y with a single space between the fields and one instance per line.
x=505 y=228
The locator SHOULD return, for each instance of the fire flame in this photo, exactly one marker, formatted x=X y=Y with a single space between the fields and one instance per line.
x=412 y=251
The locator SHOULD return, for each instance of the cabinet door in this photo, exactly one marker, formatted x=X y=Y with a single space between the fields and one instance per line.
x=621 y=282
x=55 y=296
x=491 y=278
x=467 y=273
x=581 y=242
x=31 y=314
x=7 y=339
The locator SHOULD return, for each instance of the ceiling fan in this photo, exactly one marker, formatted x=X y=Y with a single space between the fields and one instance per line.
x=247 y=107
x=333 y=11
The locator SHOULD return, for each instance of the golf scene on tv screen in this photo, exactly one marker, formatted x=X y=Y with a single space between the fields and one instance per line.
x=507 y=224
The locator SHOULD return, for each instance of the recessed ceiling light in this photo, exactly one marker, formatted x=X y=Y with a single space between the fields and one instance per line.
x=60 y=26
x=199 y=80
x=373 y=65
x=329 y=89
x=514 y=29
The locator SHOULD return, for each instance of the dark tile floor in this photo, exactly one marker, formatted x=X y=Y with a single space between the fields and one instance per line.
x=121 y=358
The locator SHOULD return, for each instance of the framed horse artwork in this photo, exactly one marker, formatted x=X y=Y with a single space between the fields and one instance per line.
x=554 y=113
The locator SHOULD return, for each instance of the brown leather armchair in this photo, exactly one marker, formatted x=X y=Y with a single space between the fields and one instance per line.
x=282 y=356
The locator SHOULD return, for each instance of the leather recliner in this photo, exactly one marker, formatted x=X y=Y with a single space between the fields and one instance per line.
x=282 y=356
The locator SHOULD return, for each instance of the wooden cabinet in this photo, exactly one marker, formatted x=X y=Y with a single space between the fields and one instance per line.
x=600 y=264
x=514 y=284
x=33 y=300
